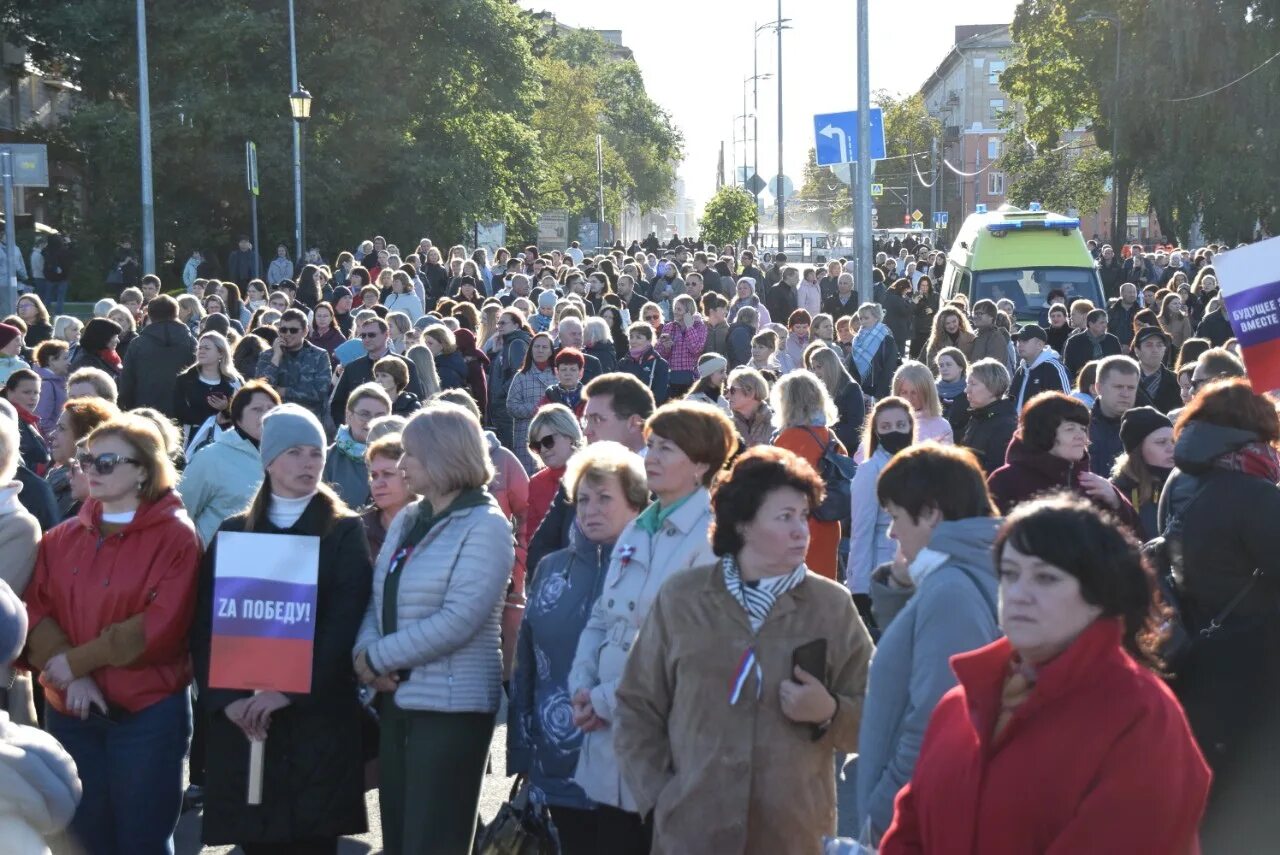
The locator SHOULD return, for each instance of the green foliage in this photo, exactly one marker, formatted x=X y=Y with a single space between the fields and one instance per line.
x=822 y=200
x=727 y=216
x=908 y=127
x=1208 y=159
x=1068 y=177
x=641 y=145
x=427 y=117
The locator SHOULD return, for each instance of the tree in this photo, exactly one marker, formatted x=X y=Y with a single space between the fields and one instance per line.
x=823 y=198
x=641 y=145
x=908 y=130
x=1204 y=158
x=435 y=146
x=728 y=215
x=1069 y=177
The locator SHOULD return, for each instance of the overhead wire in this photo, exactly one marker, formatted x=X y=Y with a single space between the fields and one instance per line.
x=1253 y=71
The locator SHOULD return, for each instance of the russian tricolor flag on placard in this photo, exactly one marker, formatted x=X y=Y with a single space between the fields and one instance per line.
x=1249 y=279
x=264 y=611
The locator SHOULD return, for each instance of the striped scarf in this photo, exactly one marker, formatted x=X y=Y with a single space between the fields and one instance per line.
x=757 y=598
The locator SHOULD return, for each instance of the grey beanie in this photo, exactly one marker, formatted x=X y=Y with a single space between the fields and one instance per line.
x=13 y=624
x=548 y=299
x=288 y=425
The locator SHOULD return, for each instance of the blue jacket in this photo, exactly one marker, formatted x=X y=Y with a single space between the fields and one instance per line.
x=652 y=370
x=541 y=739
x=953 y=610
x=452 y=369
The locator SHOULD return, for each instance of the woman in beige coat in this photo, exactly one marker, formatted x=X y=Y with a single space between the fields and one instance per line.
x=19 y=540
x=687 y=444
x=750 y=674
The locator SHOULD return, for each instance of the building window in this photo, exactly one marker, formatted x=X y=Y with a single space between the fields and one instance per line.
x=994 y=108
x=995 y=183
x=994 y=69
x=993 y=148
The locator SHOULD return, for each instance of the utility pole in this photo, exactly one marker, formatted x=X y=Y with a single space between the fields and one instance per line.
x=862 y=211
x=781 y=198
x=300 y=251
x=933 y=191
x=144 y=146
x=600 y=173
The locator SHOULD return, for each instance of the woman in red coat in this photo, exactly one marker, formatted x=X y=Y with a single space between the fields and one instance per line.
x=110 y=607
x=1058 y=738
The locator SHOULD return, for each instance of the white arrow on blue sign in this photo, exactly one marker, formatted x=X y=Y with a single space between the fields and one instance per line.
x=836 y=137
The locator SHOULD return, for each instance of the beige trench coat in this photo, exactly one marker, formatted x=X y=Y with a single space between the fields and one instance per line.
x=736 y=778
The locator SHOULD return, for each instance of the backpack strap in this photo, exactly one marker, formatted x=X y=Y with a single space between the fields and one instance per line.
x=822 y=445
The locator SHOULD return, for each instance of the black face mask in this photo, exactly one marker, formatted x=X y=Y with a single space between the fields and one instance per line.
x=894 y=441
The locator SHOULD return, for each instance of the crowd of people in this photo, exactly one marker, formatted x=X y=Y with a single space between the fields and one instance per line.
x=716 y=533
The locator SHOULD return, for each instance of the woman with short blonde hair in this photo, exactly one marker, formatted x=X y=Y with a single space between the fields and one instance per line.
x=430 y=637
x=451 y=448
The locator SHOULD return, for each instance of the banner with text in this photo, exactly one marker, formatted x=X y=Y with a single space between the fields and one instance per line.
x=264 y=611
x=1249 y=278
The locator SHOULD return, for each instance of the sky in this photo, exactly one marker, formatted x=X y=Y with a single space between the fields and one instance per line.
x=696 y=54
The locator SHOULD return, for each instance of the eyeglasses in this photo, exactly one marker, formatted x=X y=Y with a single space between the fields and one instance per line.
x=370 y=334
x=733 y=390
x=547 y=443
x=290 y=330
x=103 y=464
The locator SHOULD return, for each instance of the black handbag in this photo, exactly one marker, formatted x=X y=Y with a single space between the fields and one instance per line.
x=522 y=826
x=1165 y=554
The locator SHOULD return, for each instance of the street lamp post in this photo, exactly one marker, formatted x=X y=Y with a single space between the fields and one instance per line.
x=777 y=25
x=862 y=212
x=754 y=80
x=144 y=145
x=1117 y=237
x=743 y=181
x=300 y=107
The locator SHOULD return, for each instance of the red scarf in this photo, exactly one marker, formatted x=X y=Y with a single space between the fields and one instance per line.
x=1258 y=459
x=26 y=415
x=110 y=357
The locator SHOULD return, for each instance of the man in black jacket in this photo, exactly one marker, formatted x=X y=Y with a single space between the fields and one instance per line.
x=242 y=264
x=1092 y=342
x=373 y=335
x=1121 y=312
x=780 y=298
x=749 y=269
x=844 y=303
x=1157 y=385
x=1117 y=393
x=1111 y=271
x=163 y=350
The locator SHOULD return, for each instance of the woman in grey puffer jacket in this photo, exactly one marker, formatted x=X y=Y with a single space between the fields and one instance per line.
x=430 y=639
x=938 y=600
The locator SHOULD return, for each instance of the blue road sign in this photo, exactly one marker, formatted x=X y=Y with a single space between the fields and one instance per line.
x=836 y=137
x=940 y=219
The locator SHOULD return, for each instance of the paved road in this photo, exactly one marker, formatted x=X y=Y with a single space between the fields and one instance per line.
x=496 y=789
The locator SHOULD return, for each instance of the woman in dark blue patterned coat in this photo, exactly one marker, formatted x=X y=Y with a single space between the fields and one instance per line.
x=606 y=482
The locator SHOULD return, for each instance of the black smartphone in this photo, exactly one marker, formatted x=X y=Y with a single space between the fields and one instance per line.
x=812 y=658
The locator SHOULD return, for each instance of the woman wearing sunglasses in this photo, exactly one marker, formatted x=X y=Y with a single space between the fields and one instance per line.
x=313 y=780
x=554 y=435
x=110 y=607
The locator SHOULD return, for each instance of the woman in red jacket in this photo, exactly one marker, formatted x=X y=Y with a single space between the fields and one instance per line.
x=110 y=606
x=1058 y=738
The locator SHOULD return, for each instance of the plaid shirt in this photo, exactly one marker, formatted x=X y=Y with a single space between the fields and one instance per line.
x=686 y=345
